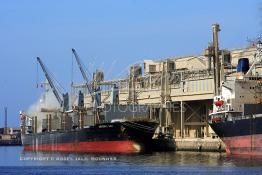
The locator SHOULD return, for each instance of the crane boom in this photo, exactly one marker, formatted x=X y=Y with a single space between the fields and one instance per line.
x=95 y=97
x=84 y=74
x=80 y=65
x=59 y=99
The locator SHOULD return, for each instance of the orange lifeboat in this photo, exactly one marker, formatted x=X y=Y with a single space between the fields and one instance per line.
x=219 y=103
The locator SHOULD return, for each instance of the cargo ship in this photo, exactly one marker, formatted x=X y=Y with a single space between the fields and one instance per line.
x=97 y=128
x=237 y=111
x=116 y=137
x=83 y=130
x=9 y=136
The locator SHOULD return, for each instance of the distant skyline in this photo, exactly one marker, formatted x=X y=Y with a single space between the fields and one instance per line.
x=110 y=35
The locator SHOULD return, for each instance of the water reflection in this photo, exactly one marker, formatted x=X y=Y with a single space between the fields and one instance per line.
x=244 y=161
x=152 y=159
x=16 y=156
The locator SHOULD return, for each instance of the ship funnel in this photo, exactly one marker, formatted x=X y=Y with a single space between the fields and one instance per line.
x=243 y=65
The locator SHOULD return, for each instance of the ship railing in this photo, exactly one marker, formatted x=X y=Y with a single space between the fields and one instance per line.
x=224 y=112
x=139 y=127
x=221 y=116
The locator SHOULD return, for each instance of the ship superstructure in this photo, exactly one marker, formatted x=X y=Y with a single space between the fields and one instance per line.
x=237 y=110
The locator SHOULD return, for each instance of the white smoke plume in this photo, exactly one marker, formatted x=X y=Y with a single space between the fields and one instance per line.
x=46 y=102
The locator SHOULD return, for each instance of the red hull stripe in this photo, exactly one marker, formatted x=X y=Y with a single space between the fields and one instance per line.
x=244 y=145
x=89 y=147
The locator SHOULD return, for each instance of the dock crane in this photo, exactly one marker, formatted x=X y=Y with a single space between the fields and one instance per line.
x=81 y=70
x=91 y=91
x=84 y=76
x=62 y=101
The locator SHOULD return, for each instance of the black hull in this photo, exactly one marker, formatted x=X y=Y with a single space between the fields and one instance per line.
x=10 y=143
x=107 y=137
x=241 y=136
x=241 y=127
x=14 y=140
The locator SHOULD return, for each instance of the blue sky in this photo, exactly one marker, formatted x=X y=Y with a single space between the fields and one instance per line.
x=108 y=34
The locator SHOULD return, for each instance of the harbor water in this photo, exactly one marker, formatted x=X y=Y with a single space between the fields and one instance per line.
x=14 y=160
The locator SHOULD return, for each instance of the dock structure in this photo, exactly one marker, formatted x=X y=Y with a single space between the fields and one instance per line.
x=179 y=91
x=188 y=92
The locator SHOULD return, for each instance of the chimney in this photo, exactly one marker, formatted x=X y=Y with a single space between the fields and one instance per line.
x=5 y=129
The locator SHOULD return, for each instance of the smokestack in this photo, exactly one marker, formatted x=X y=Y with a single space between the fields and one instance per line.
x=5 y=129
x=216 y=29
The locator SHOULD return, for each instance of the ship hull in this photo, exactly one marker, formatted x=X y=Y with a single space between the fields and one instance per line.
x=10 y=140
x=122 y=146
x=241 y=137
x=125 y=137
x=244 y=145
x=10 y=143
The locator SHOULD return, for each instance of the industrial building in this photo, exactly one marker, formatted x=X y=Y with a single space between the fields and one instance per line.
x=178 y=91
